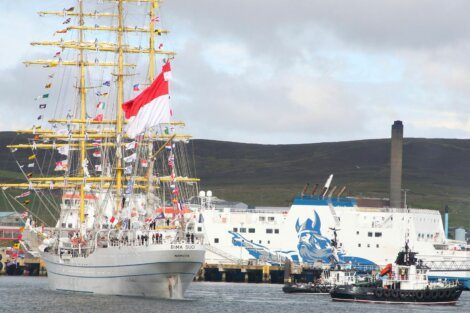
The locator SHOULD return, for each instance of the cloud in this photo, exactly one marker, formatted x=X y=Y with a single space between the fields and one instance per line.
x=282 y=71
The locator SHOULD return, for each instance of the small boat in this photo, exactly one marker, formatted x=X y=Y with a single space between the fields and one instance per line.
x=405 y=282
x=324 y=283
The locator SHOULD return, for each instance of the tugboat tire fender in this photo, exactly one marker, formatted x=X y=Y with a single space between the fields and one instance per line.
x=419 y=294
x=323 y=289
x=447 y=293
x=434 y=295
x=442 y=293
x=395 y=294
x=379 y=292
x=387 y=293
x=427 y=294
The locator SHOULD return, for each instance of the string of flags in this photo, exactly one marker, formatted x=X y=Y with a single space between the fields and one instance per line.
x=174 y=189
x=45 y=96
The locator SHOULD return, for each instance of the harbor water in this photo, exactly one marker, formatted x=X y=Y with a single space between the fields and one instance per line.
x=31 y=294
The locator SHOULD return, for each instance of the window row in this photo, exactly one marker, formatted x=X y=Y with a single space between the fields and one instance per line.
x=216 y=240
x=368 y=245
x=371 y=234
x=269 y=219
x=253 y=230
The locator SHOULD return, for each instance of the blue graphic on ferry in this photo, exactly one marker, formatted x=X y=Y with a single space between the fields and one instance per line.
x=312 y=247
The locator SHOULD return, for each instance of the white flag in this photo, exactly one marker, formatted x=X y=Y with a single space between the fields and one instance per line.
x=128 y=170
x=130 y=145
x=64 y=150
x=130 y=158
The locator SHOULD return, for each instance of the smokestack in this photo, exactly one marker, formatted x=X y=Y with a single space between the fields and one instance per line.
x=305 y=189
x=446 y=222
x=396 y=160
x=314 y=189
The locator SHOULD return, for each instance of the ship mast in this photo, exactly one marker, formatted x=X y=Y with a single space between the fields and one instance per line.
x=153 y=7
x=120 y=101
x=83 y=126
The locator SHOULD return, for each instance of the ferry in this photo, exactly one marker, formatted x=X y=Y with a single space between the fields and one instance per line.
x=368 y=234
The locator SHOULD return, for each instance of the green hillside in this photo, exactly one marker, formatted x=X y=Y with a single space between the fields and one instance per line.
x=436 y=171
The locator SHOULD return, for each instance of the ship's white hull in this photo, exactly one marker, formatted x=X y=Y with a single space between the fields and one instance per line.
x=161 y=271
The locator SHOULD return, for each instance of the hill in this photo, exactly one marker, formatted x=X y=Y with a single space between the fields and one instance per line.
x=436 y=171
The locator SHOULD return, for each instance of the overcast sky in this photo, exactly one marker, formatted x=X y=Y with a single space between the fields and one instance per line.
x=283 y=71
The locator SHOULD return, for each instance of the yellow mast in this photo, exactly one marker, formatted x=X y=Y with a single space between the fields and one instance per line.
x=153 y=7
x=120 y=100
x=82 y=117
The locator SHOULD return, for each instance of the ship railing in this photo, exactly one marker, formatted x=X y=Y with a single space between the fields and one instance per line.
x=118 y=238
x=447 y=265
x=68 y=251
x=261 y=211
x=407 y=210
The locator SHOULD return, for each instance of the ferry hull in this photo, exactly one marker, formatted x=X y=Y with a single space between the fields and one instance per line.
x=158 y=272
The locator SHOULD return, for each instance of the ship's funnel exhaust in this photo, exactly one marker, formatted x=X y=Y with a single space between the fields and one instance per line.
x=396 y=162
x=314 y=189
x=304 y=191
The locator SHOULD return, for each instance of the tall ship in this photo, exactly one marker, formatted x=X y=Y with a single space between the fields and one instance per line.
x=322 y=226
x=111 y=176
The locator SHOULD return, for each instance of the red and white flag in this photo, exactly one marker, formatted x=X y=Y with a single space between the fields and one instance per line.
x=151 y=107
x=61 y=165
x=24 y=194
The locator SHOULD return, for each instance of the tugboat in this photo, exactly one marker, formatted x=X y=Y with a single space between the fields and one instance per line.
x=322 y=283
x=406 y=282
